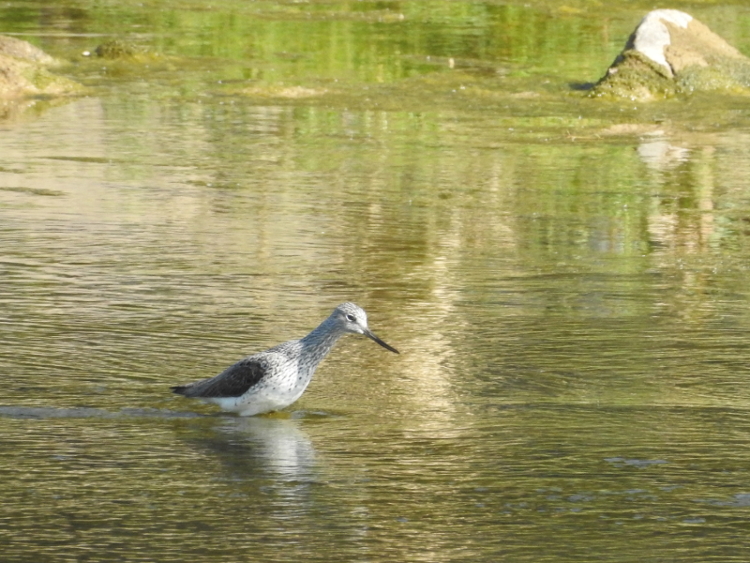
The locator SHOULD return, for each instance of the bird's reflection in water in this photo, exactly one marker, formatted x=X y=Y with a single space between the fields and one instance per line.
x=260 y=451
x=268 y=469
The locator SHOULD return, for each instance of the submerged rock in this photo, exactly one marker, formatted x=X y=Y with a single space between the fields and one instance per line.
x=24 y=72
x=672 y=52
x=119 y=49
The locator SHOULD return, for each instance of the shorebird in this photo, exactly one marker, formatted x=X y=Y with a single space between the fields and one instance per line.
x=274 y=379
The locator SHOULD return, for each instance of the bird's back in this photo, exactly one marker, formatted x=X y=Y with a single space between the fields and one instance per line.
x=272 y=367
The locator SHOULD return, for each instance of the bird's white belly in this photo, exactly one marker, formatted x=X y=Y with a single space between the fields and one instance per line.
x=259 y=400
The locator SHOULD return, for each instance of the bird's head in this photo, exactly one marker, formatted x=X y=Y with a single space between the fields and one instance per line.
x=352 y=318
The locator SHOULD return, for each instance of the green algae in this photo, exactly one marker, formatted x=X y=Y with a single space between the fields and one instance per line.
x=634 y=76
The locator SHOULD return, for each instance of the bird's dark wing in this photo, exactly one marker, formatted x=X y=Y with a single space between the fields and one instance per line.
x=232 y=382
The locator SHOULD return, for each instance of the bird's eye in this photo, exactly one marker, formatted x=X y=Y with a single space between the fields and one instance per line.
x=350 y=318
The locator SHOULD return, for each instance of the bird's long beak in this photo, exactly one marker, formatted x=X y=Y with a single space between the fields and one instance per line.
x=369 y=334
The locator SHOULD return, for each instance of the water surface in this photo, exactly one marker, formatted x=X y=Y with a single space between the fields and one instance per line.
x=566 y=281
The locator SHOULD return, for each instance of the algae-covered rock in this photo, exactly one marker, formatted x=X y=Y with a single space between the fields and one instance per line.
x=671 y=52
x=116 y=49
x=18 y=49
x=24 y=72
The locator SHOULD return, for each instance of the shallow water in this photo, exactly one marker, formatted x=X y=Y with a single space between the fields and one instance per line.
x=565 y=279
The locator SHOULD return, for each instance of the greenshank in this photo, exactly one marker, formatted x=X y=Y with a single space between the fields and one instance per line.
x=274 y=379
